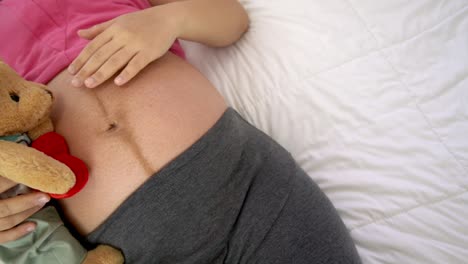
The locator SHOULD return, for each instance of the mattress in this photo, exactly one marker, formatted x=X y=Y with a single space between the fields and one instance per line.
x=371 y=99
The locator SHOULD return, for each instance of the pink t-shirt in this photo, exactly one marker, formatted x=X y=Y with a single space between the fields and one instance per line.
x=38 y=37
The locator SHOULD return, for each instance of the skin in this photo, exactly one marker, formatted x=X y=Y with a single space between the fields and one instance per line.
x=126 y=52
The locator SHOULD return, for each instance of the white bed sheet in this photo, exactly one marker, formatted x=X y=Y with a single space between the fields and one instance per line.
x=371 y=98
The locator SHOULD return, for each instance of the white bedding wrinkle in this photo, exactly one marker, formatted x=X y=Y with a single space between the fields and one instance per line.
x=371 y=98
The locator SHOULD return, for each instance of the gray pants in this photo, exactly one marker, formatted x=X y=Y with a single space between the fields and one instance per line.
x=235 y=196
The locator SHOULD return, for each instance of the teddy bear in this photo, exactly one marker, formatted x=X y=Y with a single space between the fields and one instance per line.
x=37 y=158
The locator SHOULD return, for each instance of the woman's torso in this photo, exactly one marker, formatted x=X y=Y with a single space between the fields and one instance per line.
x=124 y=134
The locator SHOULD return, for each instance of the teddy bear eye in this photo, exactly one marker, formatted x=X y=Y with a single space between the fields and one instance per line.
x=14 y=97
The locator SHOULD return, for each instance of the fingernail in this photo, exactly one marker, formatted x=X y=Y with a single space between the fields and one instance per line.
x=119 y=80
x=83 y=30
x=76 y=82
x=30 y=228
x=42 y=200
x=71 y=69
x=90 y=82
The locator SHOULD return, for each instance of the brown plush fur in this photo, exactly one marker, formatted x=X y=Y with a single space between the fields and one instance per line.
x=25 y=108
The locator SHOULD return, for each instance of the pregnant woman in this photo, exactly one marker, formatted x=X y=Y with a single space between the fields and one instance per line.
x=176 y=176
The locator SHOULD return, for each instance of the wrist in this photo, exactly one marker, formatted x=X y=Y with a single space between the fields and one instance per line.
x=175 y=16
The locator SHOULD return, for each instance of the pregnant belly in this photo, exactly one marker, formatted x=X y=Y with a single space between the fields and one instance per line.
x=126 y=134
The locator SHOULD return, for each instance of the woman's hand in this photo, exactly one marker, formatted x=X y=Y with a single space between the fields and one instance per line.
x=14 y=211
x=130 y=41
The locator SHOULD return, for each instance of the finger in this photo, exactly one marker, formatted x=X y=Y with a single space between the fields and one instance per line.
x=6 y=184
x=110 y=67
x=88 y=51
x=17 y=232
x=22 y=203
x=92 y=32
x=9 y=222
x=136 y=64
x=97 y=60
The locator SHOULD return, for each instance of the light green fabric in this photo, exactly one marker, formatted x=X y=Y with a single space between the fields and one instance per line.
x=50 y=243
x=17 y=138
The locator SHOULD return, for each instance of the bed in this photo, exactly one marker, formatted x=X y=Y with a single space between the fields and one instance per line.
x=371 y=99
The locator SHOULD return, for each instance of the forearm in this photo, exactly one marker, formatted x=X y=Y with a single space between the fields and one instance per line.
x=215 y=23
